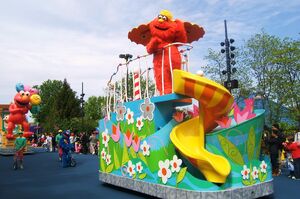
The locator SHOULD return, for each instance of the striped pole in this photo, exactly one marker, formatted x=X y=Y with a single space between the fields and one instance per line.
x=136 y=84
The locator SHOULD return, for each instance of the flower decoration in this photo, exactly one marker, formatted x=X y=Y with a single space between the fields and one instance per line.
x=224 y=122
x=263 y=167
x=178 y=116
x=240 y=116
x=128 y=138
x=164 y=171
x=245 y=172
x=194 y=112
x=103 y=154
x=108 y=159
x=105 y=137
x=249 y=104
x=254 y=173
x=136 y=143
x=139 y=167
x=120 y=110
x=130 y=168
x=145 y=147
x=139 y=123
x=115 y=132
x=147 y=109
x=129 y=116
x=175 y=164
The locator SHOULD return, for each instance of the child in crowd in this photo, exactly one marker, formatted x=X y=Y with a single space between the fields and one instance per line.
x=294 y=148
x=20 y=144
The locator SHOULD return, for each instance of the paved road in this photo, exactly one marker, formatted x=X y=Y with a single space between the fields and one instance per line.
x=44 y=178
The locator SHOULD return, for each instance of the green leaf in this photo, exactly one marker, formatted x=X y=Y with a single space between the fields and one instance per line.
x=125 y=157
x=262 y=176
x=246 y=182
x=102 y=165
x=116 y=159
x=143 y=158
x=132 y=152
x=231 y=150
x=110 y=168
x=251 y=144
x=181 y=175
x=142 y=176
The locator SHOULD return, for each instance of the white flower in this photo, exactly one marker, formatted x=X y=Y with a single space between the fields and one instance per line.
x=105 y=137
x=254 y=173
x=130 y=168
x=263 y=167
x=108 y=159
x=164 y=171
x=145 y=148
x=245 y=172
x=139 y=123
x=129 y=116
x=103 y=154
x=139 y=167
x=175 y=164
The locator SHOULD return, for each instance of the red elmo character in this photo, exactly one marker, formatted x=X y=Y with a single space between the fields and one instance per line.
x=17 y=111
x=156 y=35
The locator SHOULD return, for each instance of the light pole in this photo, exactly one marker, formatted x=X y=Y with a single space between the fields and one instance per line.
x=228 y=50
x=82 y=105
x=127 y=57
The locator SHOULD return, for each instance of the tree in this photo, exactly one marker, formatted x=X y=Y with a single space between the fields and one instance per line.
x=94 y=108
x=217 y=63
x=59 y=105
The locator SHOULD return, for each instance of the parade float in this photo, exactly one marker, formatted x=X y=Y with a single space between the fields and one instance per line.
x=13 y=118
x=190 y=140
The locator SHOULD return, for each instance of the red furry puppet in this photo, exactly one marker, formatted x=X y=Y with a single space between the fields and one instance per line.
x=156 y=35
x=24 y=100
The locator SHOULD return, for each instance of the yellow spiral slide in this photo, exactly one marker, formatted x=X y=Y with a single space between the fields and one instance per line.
x=189 y=137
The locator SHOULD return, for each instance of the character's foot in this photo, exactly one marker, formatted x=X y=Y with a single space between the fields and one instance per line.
x=27 y=134
x=10 y=136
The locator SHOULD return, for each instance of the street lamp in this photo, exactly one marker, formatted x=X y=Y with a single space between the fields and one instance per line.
x=228 y=49
x=127 y=57
x=82 y=105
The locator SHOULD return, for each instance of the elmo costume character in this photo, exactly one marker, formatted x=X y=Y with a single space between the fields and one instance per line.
x=156 y=36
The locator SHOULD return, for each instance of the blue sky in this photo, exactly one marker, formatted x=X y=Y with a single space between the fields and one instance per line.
x=81 y=40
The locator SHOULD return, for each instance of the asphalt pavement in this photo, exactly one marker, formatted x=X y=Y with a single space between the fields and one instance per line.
x=43 y=178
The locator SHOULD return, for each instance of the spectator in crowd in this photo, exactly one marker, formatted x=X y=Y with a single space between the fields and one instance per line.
x=93 y=142
x=294 y=148
x=53 y=142
x=275 y=144
x=72 y=140
x=84 y=142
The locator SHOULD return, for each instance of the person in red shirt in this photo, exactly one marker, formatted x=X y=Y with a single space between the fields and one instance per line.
x=294 y=148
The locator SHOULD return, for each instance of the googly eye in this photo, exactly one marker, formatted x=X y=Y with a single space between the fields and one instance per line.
x=27 y=93
x=22 y=93
x=159 y=16
x=164 y=18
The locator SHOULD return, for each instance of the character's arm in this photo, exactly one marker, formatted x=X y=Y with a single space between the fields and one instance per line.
x=14 y=109
x=152 y=46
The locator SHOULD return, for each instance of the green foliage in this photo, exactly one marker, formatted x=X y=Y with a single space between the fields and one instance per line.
x=181 y=175
x=267 y=66
x=93 y=108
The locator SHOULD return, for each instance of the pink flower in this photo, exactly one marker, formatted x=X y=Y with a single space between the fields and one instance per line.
x=128 y=138
x=240 y=116
x=115 y=132
x=136 y=143
x=195 y=111
x=224 y=122
x=249 y=104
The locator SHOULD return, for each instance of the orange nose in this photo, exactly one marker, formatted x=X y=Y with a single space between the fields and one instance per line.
x=160 y=20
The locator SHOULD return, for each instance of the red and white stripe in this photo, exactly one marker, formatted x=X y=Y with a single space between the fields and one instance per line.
x=136 y=85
